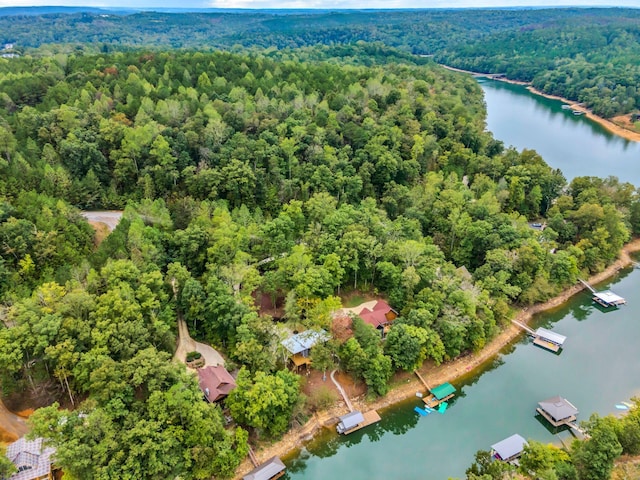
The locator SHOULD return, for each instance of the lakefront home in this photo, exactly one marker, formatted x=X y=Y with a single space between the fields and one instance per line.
x=381 y=316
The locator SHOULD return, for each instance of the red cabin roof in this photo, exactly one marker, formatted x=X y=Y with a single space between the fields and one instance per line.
x=381 y=314
x=215 y=382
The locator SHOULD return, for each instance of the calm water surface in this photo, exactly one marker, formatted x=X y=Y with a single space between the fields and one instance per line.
x=574 y=144
x=598 y=368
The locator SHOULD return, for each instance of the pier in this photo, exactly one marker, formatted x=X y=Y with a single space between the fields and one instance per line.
x=439 y=394
x=606 y=299
x=560 y=412
x=544 y=338
x=354 y=421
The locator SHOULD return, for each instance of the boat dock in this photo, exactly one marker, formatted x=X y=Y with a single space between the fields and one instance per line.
x=606 y=299
x=440 y=394
x=560 y=412
x=354 y=421
x=544 y=338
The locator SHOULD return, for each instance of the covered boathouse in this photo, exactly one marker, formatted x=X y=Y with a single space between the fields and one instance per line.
x=356 y=420
x=558 y=411
x=550 y=340
x=608 y=299
x=508 y=449
x=269 y=470
x=439 y=394
x=349 y=422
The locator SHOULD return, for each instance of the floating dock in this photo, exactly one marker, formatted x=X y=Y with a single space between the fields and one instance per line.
x=549 y=340
x=354 y=421
x=606 y=299
x=544 y=338
x=559 y=412
x=509 y=449
x=440 y=394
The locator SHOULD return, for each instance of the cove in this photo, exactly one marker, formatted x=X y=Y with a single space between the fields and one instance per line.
x=575 y=144
x=597 y=369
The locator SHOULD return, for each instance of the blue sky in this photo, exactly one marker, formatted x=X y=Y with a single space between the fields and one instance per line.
x=326 y=4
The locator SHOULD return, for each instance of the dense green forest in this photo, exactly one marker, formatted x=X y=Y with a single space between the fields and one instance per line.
x=296 y=176
x=583 y=54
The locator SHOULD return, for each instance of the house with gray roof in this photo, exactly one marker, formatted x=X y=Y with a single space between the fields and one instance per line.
x=32 y=459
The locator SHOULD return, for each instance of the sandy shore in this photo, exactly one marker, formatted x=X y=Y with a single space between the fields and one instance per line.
x=447 y=372
x=608 y=124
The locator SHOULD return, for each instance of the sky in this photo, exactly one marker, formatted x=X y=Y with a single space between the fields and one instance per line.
x=318 y=4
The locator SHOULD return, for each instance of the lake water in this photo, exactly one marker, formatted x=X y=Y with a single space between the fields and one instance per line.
x=574 y=144
x=598 y=368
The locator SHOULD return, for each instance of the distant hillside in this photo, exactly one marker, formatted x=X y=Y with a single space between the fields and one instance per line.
x=31 y=11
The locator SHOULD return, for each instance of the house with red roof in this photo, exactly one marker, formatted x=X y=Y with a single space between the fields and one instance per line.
x=380 y=317
x=215 y=382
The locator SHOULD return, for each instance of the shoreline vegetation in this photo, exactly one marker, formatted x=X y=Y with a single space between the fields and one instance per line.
x=608 y=124
x=435 y=375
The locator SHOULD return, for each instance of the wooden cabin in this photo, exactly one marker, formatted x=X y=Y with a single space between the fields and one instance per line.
x=269 y=470
x=509 y=449
x=439 y=394
x=215 y=382
x=381 y=316
x=558 y=411
x=299 y=346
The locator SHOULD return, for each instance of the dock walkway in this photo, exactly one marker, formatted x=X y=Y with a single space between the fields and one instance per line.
x=342 y=392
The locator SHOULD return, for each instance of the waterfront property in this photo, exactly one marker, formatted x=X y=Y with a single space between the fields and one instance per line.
x=380 y=316
x=215 y=382
x=356 y=420
x=269 y=470
x=558 y=411
x=299 y=346
x=509 y=449
x=549 y=340
x=31 y=458
x=439 y=394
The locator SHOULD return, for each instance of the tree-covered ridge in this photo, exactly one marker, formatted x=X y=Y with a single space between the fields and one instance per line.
x=584 y=54
x=245 y=175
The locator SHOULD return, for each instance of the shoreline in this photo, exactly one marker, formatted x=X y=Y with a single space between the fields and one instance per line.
x=446 y=372
x=607 y=124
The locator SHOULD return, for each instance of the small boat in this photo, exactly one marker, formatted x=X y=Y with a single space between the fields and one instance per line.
x=421 y=412
x=621 y=407
x=443 y=407
x=566 y=107
x=578 y=112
